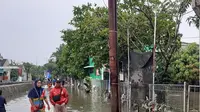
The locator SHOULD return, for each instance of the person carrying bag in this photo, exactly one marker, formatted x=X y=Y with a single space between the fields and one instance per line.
x=59 y=97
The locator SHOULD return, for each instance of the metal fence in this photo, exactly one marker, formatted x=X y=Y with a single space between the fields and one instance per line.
x=170 y=96
x=193 y=99
x=101 y=84
x=125 y=96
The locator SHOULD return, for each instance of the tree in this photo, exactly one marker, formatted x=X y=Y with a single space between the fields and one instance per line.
x=85 y=42
x=186 y=64
x=90 y=36
x=27 y=67
x=192 y=19
x=53 y=68
x=139 y=17
x=57 y=55
x=37 y=72
x=14 y=72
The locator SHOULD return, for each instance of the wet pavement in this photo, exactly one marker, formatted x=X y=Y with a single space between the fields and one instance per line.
x=79 y=102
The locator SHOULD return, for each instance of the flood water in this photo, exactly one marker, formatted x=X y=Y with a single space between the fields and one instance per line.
x=79 y=102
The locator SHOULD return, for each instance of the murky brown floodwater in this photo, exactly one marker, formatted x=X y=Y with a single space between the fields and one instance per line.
x=79 y=102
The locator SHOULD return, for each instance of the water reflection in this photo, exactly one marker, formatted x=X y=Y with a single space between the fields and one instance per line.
x=93 y=102
x=79 y=102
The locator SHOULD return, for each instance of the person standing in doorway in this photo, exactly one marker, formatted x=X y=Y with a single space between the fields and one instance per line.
x=2 y=103
x=59 y=97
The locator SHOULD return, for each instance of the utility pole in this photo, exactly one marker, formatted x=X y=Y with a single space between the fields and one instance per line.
x=154 y=57
x=196 y=8
x=113 y=60
x=129 y=82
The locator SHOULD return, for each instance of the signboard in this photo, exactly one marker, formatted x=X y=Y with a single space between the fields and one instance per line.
x=121 y=76
x=48 y=74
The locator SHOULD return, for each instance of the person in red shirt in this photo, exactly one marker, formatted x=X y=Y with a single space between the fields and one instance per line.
x=59 y=97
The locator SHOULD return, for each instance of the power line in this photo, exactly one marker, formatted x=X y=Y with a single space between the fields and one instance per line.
x=105 y=4
x=189 y=37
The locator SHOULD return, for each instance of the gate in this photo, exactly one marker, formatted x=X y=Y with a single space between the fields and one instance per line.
x=193 y=100
x=171 y=97
x=125 y=96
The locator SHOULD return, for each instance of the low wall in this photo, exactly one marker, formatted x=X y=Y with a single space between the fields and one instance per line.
x=15 y=90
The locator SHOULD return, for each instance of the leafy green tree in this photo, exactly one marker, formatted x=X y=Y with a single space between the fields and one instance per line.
x=186 y=64
x=192 y=19
x=14 y=72
x=27 y=67
x=37 y=71
x=89 y=38
x=139 y=17
x=51 y=67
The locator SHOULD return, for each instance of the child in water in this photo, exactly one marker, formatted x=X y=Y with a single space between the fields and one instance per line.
x=2 y=103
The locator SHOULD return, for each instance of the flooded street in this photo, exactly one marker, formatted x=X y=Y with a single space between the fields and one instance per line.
x=79 y=102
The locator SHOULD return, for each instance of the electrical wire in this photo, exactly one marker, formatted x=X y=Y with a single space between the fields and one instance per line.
x=188 y=37
x=105 y=4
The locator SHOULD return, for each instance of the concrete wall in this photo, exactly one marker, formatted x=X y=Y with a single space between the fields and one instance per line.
x=11 y=92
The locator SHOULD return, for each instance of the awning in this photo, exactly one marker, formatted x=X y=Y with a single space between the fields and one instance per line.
x=9 y=67
x=1 y=70
x=89 y=67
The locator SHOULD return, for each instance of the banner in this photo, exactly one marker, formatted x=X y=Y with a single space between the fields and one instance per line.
x=48 y=74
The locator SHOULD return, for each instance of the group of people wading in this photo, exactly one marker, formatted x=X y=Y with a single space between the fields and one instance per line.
x=57 y=95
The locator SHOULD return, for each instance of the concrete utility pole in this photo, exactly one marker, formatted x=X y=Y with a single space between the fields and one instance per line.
x=196 y=8
x=113 y=60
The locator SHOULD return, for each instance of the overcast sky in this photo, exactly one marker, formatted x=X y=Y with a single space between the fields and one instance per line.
x=30 y=29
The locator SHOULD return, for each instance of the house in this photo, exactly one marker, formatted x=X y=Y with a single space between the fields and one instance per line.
x=140 y=75
x=5 y=70
x=23 y=75
x=4 y=73
x=96 y=75
x=92 y=72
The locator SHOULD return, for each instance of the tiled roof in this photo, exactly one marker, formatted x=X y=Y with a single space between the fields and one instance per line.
x=2 y=62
